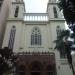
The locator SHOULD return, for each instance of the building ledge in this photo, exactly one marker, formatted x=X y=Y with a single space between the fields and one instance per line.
x=36 y=22
x=64 y=61
x=56 y=19
x=35 y=53
x=15 y=19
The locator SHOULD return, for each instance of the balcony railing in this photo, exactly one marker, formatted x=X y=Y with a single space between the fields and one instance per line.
x=35 y=17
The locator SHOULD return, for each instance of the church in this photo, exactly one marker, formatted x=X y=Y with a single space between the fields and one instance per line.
x=31 y=36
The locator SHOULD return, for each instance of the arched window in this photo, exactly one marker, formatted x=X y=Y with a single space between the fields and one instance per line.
x=55 y=12
x=16 y=11
x=12 y=37
x=58 y=31
x=35 y=36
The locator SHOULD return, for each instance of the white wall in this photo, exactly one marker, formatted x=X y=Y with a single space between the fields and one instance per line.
x=13 y=8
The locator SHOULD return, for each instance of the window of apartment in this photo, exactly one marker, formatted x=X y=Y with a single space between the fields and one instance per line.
x=12 y=37
x=55 y=12
x=16 y=11
x=36 y=36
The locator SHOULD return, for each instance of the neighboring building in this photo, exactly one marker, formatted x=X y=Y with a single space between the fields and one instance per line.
x=4 y=12
x=31 y=37
x=1 y=2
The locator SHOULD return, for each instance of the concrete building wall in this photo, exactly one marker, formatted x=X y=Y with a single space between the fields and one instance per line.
x=23 y=37
x=17 y=37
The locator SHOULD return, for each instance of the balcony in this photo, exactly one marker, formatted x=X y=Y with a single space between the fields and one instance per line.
x=36 y=17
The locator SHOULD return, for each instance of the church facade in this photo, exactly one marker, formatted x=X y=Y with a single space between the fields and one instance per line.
x=31 y=37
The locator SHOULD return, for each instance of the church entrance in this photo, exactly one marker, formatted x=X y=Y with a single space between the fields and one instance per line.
x=36 y=68
x=35 y=73
x=21 y=70
x=36 y=64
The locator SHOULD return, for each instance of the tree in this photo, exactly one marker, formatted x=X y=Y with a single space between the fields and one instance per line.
x=64 y=46
x=5 y=60
x=60 y=42
x=68 y=8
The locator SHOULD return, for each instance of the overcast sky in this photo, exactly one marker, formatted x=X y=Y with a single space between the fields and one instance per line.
x=36 y=5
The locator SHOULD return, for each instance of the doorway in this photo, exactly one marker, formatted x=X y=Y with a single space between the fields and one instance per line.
x=21 y=70
x=35 y=73
x=36 y=69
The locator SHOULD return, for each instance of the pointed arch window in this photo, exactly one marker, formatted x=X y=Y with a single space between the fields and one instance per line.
x=36 y=36
x=55 y=12
x=58 y=30
x=12 y=37
x=16 y=11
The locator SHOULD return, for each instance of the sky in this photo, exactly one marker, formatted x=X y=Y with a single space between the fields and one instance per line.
x=36 y=6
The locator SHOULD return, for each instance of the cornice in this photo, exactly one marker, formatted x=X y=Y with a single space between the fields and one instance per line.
x=35 y=22
x=15 y=19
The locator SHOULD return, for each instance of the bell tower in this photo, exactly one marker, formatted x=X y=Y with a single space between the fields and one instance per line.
x=53 y=9
x=55 y=18
x=14 y=23
x=17 y=9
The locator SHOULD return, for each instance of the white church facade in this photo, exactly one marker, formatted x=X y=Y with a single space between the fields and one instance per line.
x=31 y=36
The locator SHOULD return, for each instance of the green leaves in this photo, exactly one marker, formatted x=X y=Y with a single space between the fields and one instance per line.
x=62 y=4
x=5 y=57
x=61 y=42
x=6 y=53
x=68 y=7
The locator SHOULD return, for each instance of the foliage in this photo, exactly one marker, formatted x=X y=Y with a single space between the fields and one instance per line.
x=68 y=7
x=5 y=59
x=61 y=42
x=64 y=46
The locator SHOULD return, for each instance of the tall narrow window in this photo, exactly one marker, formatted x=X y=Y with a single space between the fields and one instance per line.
x=12 y=37
x=55 y=12
x=58 y=30
x=16 y=11
x=36 y=36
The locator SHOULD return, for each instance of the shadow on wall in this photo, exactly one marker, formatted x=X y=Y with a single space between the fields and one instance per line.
x=3 y=16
